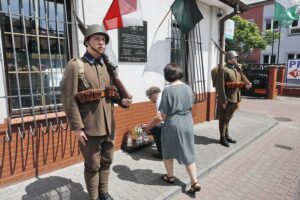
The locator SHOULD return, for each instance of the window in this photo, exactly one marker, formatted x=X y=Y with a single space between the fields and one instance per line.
x=295 y=28
x=275 y=25
x=268 y=59
x=293 y=56
x=268 y=24
x=295 y=23
x=271 y=24
x=186 y=51
x=36 y=49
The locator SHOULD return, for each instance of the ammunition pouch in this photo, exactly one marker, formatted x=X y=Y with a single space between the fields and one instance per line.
x=91 y=95
x=234 y=84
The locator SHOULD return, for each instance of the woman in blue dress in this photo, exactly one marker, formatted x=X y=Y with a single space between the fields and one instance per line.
x=178 y=131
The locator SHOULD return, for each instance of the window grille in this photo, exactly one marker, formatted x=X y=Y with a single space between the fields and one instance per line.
x=36 y=38
x=186 y=51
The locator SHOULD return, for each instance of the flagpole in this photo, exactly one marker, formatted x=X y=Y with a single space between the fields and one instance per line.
x=160 y=25
x=278 y=50
x=272 y=45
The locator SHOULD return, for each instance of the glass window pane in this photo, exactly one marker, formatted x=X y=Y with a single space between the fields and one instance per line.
x=60 y=12
x=3 y=6
x=41 y=9
x=298 y=56
x=275 y=25
x=273 y=59
x=51 y=10
x=28 y=7
x=61 y=29
x=291 y=56
x=266 y=59
x=15 y=6
x=52 y=28
x=268 y=24
x=295 y=23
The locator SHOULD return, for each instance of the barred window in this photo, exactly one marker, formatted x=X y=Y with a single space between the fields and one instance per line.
x=186 y=51
x=36 y=48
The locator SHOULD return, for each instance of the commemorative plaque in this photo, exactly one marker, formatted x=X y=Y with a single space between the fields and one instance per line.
x=133 y=43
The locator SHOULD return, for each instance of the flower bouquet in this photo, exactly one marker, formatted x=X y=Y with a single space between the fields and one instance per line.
x=138 y=134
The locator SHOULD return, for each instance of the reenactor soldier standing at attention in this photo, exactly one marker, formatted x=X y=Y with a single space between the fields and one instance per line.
x=229 y=81
x=89 y=90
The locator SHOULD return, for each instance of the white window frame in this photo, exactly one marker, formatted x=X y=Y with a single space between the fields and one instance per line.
x=272 y=24
x=295 y=28
x=269 y=58
x=295 y=55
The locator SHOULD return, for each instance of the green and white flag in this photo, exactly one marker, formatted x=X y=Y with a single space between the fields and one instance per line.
x=187 y=14
x=286 y=11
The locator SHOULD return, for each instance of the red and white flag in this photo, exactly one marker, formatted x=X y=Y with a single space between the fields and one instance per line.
x=123 y=13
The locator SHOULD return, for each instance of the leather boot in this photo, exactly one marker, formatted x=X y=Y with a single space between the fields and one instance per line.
x=224 y=142
x=105 y=196
x=230 y=140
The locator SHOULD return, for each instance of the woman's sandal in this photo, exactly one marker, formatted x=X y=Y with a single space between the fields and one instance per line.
x=168 y=179
x=194 y=188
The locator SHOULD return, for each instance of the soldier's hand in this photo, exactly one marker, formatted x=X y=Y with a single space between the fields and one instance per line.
x=248 y=86
x=126 y=102
x=224 y=105
x=81 y=137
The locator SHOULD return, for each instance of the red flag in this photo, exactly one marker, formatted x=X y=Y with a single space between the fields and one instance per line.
x=123 y=13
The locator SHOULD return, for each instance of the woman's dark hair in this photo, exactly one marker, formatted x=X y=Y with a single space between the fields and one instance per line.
x=172 y=72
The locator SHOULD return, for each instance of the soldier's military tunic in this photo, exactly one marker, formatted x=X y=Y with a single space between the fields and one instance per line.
x=94 y=118
x=230 y=95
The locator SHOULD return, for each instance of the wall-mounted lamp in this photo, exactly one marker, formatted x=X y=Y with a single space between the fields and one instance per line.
x=220 y=13
x=238 y=11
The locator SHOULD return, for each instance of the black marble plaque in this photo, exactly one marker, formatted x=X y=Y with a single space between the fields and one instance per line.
x=133 y=43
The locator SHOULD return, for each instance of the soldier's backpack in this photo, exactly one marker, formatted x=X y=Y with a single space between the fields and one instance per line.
x=214 y=73
x=81 y=74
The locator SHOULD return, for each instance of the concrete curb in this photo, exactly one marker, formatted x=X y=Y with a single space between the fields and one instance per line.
x=174 y=191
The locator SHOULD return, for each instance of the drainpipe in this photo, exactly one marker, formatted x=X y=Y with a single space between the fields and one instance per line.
x=222 y=27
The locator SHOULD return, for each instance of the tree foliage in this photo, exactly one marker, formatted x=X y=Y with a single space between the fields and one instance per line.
x=247 y=37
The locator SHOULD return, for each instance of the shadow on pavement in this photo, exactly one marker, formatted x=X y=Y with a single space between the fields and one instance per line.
x=54 y=187
x=144 y=153
x=204 y=140
x=143 y=176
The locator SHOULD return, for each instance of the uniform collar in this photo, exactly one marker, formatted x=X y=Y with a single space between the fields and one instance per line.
x=90 y=59
x=232 y=66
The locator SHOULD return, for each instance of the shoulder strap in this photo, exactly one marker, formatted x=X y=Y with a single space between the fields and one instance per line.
x=81 y=74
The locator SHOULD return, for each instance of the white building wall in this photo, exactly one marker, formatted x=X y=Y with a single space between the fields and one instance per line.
x=3 y=110
x=288 y=43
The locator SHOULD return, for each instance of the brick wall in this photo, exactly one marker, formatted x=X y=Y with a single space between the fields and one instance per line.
x=31 y=156
x=291 y=92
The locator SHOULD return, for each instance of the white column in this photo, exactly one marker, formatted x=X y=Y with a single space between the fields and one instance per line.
x=3 y=103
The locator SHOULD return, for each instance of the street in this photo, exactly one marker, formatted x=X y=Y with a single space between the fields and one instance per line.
x=268 y=168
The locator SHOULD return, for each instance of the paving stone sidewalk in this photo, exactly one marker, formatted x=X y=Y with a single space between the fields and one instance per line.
x=138 y=175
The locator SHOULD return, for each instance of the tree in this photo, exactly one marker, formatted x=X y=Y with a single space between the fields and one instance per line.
x=271 y=36
x=247 y=37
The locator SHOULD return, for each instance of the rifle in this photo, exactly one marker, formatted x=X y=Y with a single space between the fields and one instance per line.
x=238 y=67
x=114 y=75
